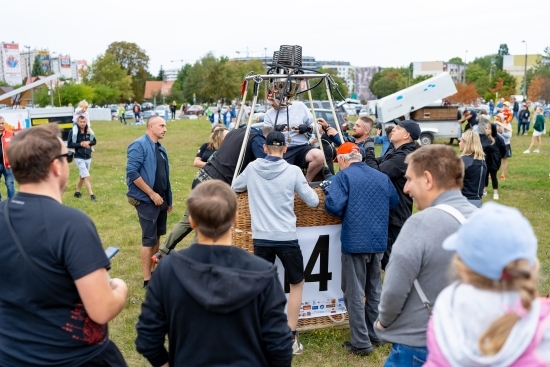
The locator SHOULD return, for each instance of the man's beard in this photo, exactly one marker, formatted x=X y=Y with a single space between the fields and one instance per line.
x=357 y=135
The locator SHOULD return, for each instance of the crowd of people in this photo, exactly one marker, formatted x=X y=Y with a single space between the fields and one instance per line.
x=219 y=305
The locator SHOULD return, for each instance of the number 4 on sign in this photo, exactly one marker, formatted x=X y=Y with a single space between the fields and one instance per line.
x=320 y=251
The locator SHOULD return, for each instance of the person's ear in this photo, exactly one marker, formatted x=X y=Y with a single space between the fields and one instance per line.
x=56 y=167
x=284 y=150
x=428 y=180
x=192 y=223
x=265 y=149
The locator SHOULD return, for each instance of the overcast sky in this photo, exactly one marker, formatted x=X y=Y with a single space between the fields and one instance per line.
x=366 y=33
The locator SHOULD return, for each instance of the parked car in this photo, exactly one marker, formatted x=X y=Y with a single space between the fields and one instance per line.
x=161 y=111
x=129 y=114
x=147 y=106
x=259 y=108
x=195 y=110
x=258 y=117
x=147 y=114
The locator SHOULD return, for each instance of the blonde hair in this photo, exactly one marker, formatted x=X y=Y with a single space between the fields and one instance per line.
x=518 y=276
x=472 y=145
x=83 y=104
x=216 y=138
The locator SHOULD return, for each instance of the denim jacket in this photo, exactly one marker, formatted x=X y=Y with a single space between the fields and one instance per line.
x=142 y=162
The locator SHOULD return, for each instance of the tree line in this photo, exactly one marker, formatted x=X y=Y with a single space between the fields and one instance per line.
x=119 y=76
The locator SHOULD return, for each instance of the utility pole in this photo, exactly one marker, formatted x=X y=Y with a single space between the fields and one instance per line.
x=51 y=82
x=30 y=74
x=525 y=74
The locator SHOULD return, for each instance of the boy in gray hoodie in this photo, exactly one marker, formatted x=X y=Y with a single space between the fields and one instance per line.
x=271 y=184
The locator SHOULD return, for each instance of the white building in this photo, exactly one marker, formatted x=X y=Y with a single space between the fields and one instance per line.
x=343 y=69
x=171 y=75
x=432 y=68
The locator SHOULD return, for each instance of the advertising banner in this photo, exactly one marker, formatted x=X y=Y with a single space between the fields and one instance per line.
x=11 y=62
x=322 y=294
x=16 y=120
x=44 y=58
x=64 y=62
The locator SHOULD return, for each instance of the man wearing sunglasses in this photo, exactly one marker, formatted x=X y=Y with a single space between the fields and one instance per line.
x=56 y=297
x=5 y=138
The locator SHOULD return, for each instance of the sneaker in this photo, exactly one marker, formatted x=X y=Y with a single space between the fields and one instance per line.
x=156 y=257
x=297 y=347
x=93 y=198
x=495 y=196
x=77 y=194
x=527 y=151
x=376 y=343
x=536 y=151
x=358 y=351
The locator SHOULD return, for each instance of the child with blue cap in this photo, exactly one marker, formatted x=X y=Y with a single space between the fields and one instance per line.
x=491 y=316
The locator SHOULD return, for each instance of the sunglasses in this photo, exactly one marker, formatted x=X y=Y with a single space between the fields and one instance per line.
x=69 y=155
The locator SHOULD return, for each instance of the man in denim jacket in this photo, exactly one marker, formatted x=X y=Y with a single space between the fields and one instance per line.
x=148 y=180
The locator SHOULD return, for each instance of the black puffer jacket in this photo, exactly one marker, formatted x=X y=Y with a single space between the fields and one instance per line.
x=393 y=165
x=493 y=151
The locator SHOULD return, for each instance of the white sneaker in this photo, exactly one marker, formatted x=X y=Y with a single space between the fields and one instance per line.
x=297 y=347
x=495 y=196
x=527 y=151
x=536 y=151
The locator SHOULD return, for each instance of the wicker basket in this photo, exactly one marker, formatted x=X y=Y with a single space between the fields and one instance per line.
x=435 y=113
x=305 y=217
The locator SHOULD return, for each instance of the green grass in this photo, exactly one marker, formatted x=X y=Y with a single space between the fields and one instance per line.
x=526 y=188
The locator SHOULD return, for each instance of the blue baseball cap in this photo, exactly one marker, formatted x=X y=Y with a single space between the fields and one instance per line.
x=493 y=237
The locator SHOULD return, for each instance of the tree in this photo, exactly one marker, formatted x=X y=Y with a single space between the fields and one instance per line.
x=135 y=62
x=106 y=71
x=539 y=89
x=104 y=94
x=499 y=59
x=466 y=94
x=320 y=92
x=484 y=62
x=456 y=60
x=37 y=68
x=389 y=81
x=160 y=75
x=504 y=86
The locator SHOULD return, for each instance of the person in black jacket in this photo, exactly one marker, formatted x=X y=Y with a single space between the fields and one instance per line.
x=82 y=144
x=173 y=108
x=393 y=164
x=475 y=168
x=218 y=304
x=494 y=149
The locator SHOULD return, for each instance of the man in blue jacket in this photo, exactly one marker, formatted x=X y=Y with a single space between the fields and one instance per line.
x=362 y=197
x=148 y=180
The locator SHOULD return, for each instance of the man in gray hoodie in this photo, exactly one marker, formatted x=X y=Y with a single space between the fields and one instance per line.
x=271 y=184
x=434 y=178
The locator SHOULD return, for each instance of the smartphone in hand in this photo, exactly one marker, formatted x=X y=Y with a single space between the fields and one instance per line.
x=111 y=251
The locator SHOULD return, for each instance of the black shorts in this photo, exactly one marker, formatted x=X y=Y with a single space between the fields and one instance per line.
x=290 y=256
x=110 y=356
x=296 y=155
x=152 y=220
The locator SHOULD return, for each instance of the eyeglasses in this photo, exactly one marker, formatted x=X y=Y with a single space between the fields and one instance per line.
x=69 y=155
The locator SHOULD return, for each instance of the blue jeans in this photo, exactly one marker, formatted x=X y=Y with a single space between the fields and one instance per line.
x=8 y=178
x=405 y=356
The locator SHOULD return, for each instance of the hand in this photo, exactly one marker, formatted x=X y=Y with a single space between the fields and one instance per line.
x=303 y=128
x=313 y=141
x=331 y=131
x=170 y=209
x=156 y=199
x=281 y=128
x=379 y=325
x=323 y=123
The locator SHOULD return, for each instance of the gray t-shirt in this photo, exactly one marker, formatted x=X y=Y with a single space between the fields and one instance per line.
x=298 y=114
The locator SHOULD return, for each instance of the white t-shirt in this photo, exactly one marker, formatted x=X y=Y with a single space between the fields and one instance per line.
x=298 y=114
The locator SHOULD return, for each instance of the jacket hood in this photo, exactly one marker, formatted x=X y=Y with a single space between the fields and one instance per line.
x=269 y=169
x=463 y=313
x=217 y=288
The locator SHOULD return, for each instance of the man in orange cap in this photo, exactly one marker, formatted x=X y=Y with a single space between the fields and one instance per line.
x=362 y=197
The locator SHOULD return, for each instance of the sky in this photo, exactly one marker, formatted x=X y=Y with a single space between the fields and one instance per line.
x=387 y=33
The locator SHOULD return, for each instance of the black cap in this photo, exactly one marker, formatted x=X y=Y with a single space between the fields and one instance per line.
x=412 y=128
x=275 y=138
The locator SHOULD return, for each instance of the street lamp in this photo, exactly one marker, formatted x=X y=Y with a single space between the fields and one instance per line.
x=30 y=73
x=464 y=73
x=51 y=82
x=525 y=74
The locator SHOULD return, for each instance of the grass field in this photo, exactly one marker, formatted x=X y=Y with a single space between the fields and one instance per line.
x=526 y=187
